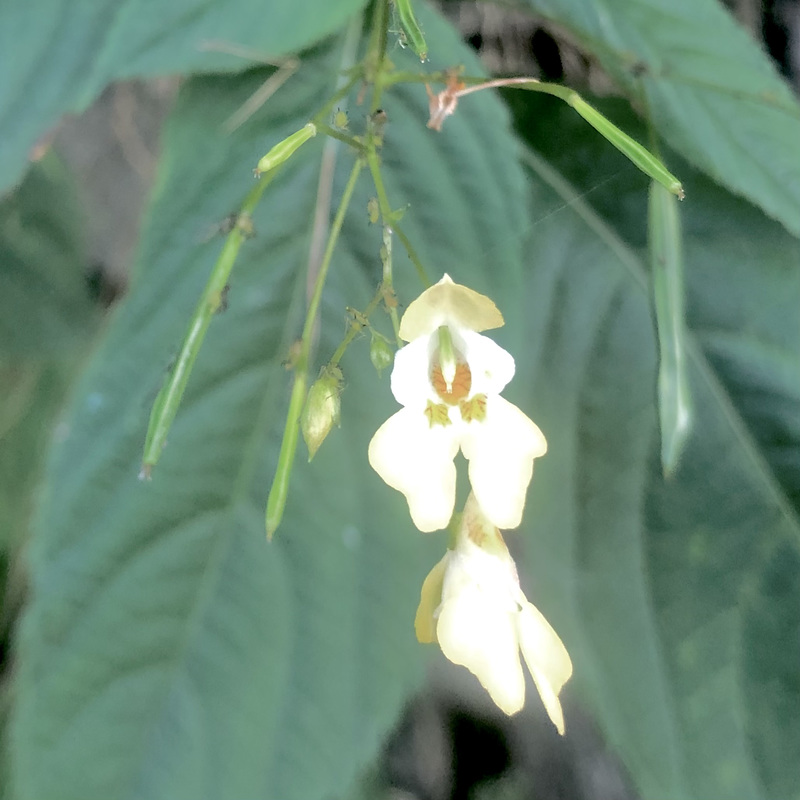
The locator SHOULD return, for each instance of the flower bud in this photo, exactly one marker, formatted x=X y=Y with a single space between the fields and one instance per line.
x=380 y=354
x=286 y=148
x=373 y=210
x=321 y=411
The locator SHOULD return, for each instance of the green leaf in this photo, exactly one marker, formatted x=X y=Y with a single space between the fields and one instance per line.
x=712 y=92
x=46 y=317
x=58 y=57
x=44 y=296
x=168 y=650
x=678 y=599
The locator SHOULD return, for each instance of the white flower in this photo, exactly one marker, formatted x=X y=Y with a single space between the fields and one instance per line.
x=471 y=603
x=449 y=379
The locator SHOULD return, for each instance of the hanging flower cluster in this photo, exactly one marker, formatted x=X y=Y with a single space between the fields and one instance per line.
x=448 y=378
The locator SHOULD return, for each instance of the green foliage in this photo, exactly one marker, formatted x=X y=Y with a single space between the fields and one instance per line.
x=61 y=58
x=663 y=587
x=711 y=92
x=44 y=300
x=46 y=316
x=168 y=651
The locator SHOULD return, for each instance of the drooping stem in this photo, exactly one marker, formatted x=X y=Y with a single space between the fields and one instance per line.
x=387 y=285
x=171 y=393
x=276 y=502
x=354 y=328
x=387 y=216
x=412 y=254
x=377 y=179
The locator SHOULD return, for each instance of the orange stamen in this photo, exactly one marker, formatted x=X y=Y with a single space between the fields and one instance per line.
x=462 y=383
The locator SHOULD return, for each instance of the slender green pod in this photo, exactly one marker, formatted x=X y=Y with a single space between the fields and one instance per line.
x=640 y=156
x=666 y=259
x=170 y=395
x=643 y=158
x=286 y=148
x=279 y=491
x=411 y=28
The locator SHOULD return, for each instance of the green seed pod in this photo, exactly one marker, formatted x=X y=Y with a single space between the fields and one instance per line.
x=674 y=392
x=321 y=411
x=411 y=28
x=286 y=148
x=639 y=155
x=380 y=354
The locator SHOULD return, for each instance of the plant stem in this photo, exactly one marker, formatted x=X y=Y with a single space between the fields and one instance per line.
x=355 y=328
x=412 y=254
x=171 y=393
x=276 y=502
x=352 y=141
x=388 y=288
x=377 y=179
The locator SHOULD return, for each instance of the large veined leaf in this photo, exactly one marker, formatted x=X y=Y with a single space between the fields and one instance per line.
x=680 y=599
x=45 y=316
x=168 y=650
x=712 y=92
x=57 y=57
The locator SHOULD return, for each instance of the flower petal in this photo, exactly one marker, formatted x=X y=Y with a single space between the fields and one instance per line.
x=411 y=382
x=417 y=460
x=500 y=450
x=547 y=659
x=429 y=601
x=474 y=632
x=449 y=303
x=491 y=366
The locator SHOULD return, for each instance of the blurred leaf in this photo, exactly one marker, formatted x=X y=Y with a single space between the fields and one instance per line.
x=44 y=297
x=508 y=786
x=713 y=94
x=58 y=57
x=168 y=651
x=679 y=600
x=45 y=320
x=31 y=396
x=45 y=316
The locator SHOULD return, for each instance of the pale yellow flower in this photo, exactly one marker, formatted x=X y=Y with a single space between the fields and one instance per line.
x=472 y=604
x=449 y=379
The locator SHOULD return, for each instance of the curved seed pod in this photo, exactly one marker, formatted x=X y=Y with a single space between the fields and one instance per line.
x=674 y=399
x=411 y=28
x=640 y=156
